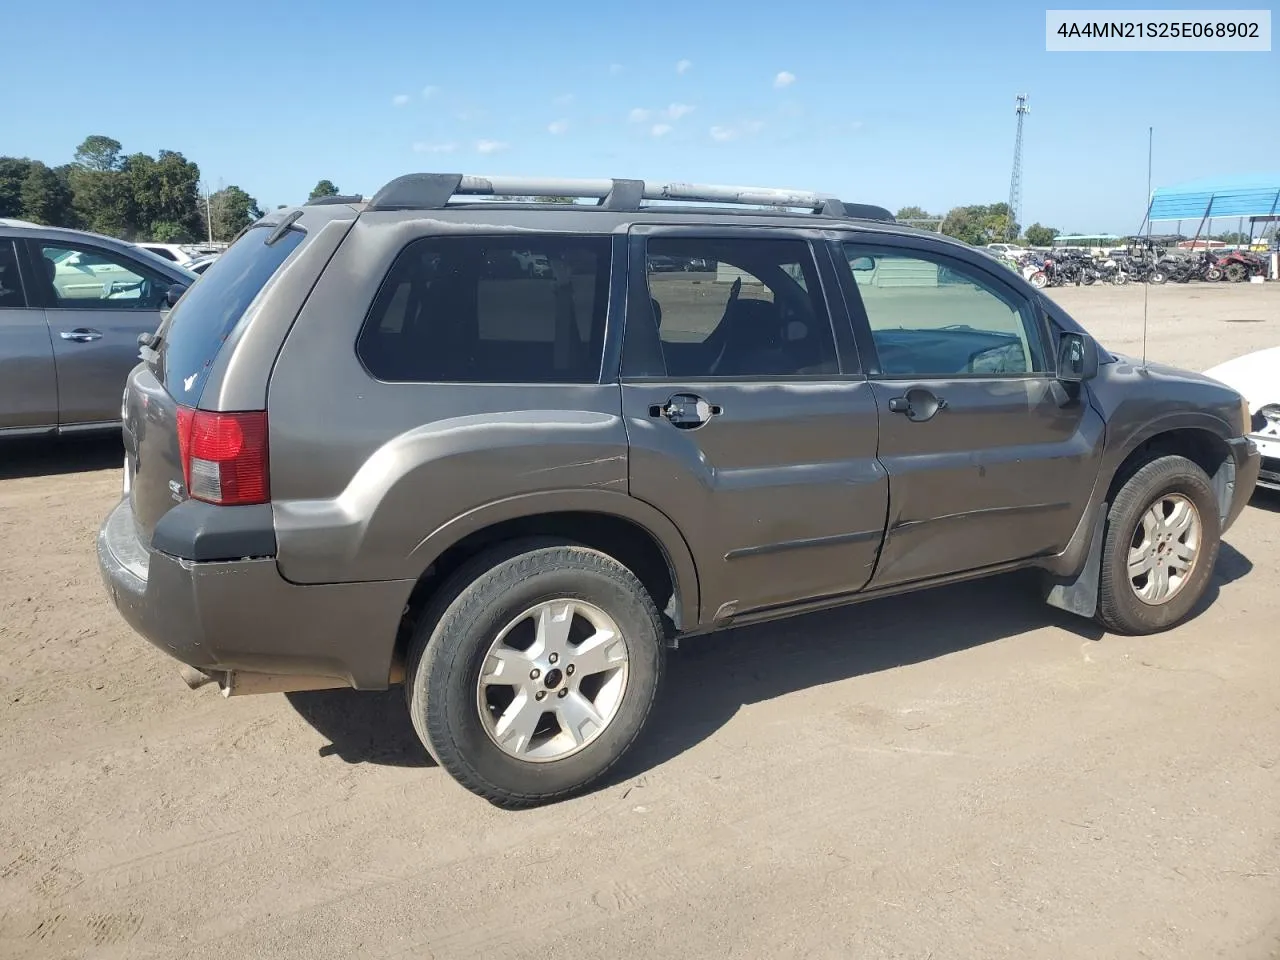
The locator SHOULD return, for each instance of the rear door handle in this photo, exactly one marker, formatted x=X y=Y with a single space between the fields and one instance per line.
x=685 y=411
x=81 y=335
x=918 y=404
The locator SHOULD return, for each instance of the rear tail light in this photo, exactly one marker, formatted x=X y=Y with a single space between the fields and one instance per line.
x=224 y=456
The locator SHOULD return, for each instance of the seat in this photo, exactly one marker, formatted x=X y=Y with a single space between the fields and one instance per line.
x=755 y=345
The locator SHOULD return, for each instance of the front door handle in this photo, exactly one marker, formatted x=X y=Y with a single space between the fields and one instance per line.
x=918 y=404
x=81 y=335
x=685 y=411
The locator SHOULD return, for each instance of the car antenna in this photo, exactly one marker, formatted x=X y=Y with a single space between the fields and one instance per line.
x=1146 y=285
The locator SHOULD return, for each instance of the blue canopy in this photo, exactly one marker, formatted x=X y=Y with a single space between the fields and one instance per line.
x=1248 y=195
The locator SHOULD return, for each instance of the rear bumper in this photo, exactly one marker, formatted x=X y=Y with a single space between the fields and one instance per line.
x=1248 y=464
x=242 y=615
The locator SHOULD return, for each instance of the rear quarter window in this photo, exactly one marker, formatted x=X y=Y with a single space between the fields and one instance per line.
x=200 y=324
x=519 y=309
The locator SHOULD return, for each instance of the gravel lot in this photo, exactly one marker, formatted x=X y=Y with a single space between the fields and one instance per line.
x=971 y=776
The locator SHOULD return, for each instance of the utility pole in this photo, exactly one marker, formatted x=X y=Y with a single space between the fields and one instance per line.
x=1015 y=181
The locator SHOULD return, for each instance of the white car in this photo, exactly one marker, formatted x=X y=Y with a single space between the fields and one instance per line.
x=1257 y=376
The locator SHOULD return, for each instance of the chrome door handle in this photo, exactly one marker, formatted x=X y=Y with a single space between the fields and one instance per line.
x=81 y=335
x=685 y=411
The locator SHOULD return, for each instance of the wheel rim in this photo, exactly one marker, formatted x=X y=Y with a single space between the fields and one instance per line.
x=1164 y=549
x=553 y=680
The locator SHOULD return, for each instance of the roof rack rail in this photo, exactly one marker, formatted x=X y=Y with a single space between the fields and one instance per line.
x=336 y=198
x=433 y=191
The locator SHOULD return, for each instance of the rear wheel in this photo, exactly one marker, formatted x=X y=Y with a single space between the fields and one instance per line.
x=535 y=672
x=1039 y=280
x=1159 y=276
x=1237 y=272
x=1161 y=545
x=1214 y=274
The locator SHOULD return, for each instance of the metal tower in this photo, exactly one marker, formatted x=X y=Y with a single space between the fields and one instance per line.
x=1015 y=181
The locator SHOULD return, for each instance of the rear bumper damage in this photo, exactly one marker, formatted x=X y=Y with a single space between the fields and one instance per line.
x=240 y=624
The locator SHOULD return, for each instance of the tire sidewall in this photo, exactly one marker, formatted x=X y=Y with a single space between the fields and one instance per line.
x=1156 y=481
x=460 y=644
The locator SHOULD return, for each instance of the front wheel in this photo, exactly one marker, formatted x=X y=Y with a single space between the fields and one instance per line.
x=1039 y=280
x=1159 y=276
x=539 y=673
x=1161 y=545
x=1213 y=274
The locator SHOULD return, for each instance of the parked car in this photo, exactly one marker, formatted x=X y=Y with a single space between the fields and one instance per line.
x=179 y=253
x=362 y=451
x=200 y=264
x=1257 y=376
x=72 y=306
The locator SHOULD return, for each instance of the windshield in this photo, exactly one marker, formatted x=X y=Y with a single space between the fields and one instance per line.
x=208 y=313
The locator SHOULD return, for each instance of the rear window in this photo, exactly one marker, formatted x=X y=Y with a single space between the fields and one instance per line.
x=523 y=309
x=197 y=327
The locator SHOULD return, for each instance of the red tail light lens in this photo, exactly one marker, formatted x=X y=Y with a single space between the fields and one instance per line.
x=224 y=456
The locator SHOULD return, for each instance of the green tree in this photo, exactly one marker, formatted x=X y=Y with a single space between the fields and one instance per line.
x=1039 y=236
x=162 y=191
x=45 y=197
x=325 y=188
x=978 y=224
x=98 y=153
x=232 y=210
x=13 y=173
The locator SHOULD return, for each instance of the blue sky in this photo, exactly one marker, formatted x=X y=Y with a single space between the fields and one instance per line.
x=889 y=103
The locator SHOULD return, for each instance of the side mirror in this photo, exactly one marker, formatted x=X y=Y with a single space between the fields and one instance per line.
x=174 y=293
x=1077 y=358
x=862 y=264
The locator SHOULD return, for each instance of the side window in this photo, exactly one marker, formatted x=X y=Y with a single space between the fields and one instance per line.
x=527 y=309
x=936 y=317
x=10 y=282
x=733 y=308
x=88 y=278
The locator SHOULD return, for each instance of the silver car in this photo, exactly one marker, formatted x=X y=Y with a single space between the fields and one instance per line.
x=72 y=305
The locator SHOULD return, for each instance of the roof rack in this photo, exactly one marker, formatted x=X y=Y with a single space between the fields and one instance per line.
x=335 y=198
x=433 y=191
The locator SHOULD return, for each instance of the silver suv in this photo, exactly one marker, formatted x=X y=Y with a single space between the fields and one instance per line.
x=486 y=449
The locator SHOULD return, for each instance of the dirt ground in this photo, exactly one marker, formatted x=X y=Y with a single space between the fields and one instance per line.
x=973 y=775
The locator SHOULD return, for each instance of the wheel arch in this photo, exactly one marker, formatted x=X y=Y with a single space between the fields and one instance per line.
x=631 y=531
x=1072 y=581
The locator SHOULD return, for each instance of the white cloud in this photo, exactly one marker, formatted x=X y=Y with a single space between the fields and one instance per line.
x=429 y=92
x=678 y=110
x=639 y=115
x=784 y=79
x=558 y=126
x=491 y=146
x=400 y=99
x=660 y=129
x=722 y=133
x=563 y=100
x=447 y=147
x=615 y=69
x=683 y=66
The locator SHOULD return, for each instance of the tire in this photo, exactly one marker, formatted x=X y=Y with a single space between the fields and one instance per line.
x=1165 y=480
x=1237 y=272
x=1120 y=279
x=453 y=643
x=1039 y=280
x=1214 y=274
x=1159 y=276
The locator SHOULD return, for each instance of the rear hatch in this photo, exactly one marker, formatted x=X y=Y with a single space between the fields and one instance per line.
x=163 y=392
